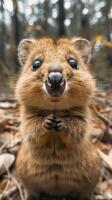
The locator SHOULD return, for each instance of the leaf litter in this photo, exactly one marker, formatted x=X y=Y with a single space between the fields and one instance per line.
x=10 y=142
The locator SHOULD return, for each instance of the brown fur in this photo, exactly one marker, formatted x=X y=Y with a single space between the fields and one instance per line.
x=63 y=162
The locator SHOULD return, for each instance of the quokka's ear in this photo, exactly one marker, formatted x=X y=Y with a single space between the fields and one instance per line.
x=84 y=47
x=24 y=48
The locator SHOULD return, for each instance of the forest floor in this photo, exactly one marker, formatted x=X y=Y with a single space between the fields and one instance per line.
x=10 y=142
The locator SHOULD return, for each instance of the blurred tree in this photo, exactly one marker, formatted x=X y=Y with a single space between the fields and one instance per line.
x=27 y=18
x=108 y=28
x=107 y=19
x=2 y=31
x=61 y=18
x=15 y=28
x=46 y=15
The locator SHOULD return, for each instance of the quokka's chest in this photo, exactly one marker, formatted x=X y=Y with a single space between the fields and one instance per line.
x=55 y=174
x=53 y=169
x=57 y=164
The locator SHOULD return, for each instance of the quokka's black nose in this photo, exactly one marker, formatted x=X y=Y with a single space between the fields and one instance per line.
x=55 y=79
x=55 y=84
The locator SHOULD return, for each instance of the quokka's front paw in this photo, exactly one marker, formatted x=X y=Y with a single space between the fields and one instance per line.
x=54 y=123
x=50 y=122
x=61 y=125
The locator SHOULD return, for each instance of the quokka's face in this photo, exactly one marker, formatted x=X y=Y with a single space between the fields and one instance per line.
x=54 y=74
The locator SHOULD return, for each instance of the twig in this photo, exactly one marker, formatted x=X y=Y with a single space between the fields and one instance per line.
x=6 y=188
x=106 y=110
x=16 y=183
x=99 y=99
x=8 y=193
x=2 y=147
x=106 y=121
x=6 y=70
x=106 y=159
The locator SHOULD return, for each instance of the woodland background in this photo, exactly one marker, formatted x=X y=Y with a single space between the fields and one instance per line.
x=26 y=18
x=91 y=19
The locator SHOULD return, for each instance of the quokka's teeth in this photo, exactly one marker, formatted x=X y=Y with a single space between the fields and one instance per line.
x=49 y=84
x=62 y=83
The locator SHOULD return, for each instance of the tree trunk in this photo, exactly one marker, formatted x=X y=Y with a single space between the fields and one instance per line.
x=46 y=14
x=61 y=18
x=107 y=22
x=15 y=24
x=107 y=29
x=3 y=32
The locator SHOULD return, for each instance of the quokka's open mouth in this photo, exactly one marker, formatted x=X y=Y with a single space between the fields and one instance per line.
x=55 y=84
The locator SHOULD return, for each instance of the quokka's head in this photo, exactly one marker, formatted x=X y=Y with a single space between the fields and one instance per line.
x=54 y=73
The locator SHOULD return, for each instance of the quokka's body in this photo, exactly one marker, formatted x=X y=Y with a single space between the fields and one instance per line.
x=54 y=91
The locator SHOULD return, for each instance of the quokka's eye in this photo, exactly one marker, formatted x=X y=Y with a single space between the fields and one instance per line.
x=72 y=63
x=36 y=64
